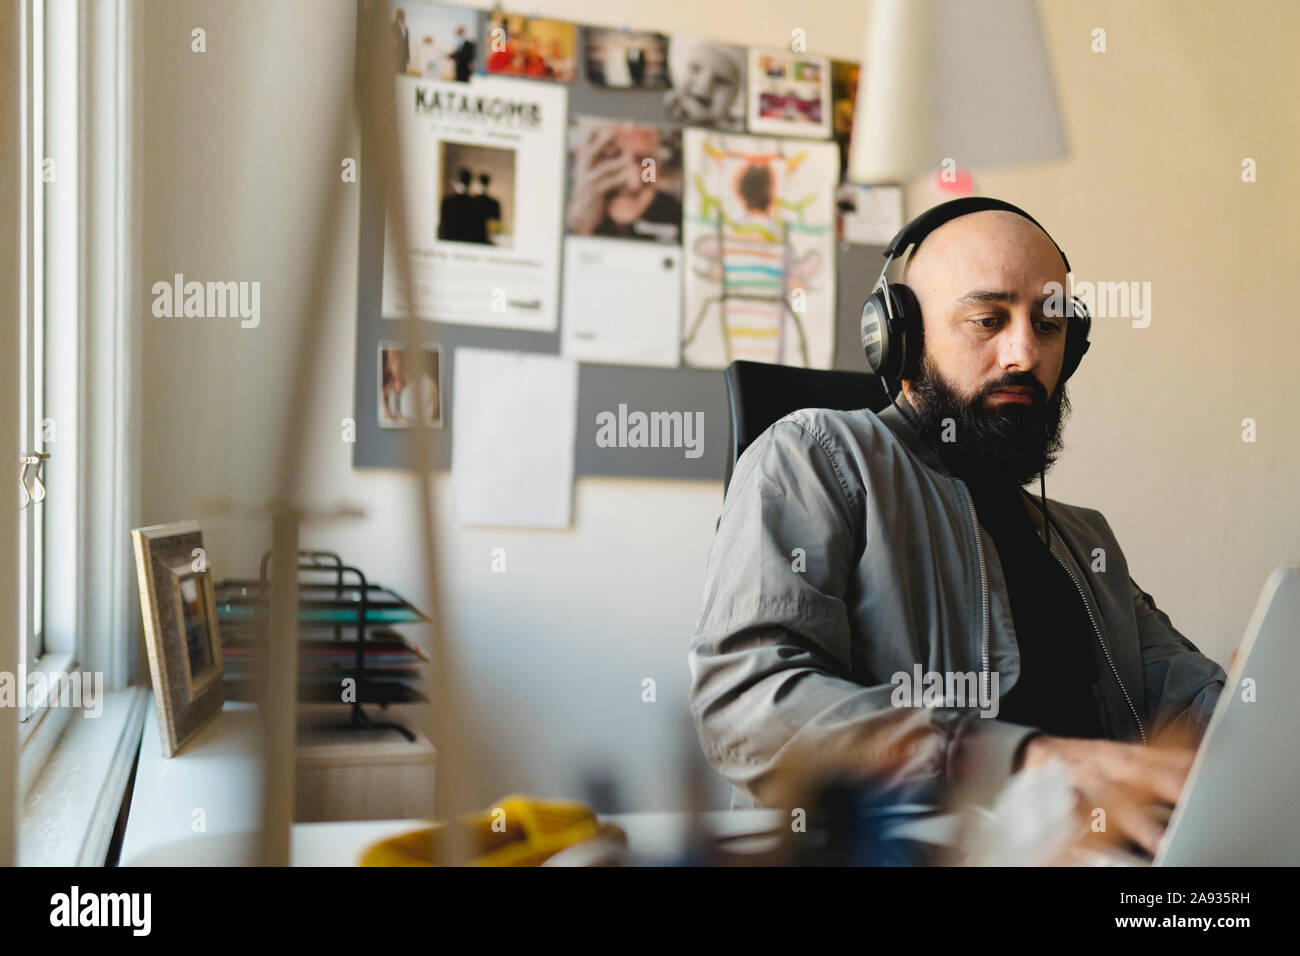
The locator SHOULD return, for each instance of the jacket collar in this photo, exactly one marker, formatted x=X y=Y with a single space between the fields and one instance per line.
x=901 y=419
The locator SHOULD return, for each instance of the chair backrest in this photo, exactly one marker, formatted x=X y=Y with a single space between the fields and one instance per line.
x=759 y=394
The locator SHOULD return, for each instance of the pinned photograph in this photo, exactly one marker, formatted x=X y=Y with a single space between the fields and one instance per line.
x=789 y=94
x=476 y=195
x=625 y=180
x=844 y=98
x=539 y=49
x=707 y=84
x=435 y=41
x=626 y=60
x=410 y=393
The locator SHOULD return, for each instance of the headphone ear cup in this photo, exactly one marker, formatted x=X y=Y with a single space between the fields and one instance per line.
x=877 y=333
x=907 y=318
x=1078 y=328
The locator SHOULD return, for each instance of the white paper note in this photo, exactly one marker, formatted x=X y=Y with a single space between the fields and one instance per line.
x=514 y=416
x=622 y=301
x=870 y=215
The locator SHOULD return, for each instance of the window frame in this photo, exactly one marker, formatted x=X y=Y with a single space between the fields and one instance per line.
x=92 y=394
x=63 y=366
x=30 y=338
x=89 y=271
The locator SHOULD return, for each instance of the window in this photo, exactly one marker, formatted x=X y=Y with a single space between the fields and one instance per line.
x=52 y=365
x=32 y=347
x=70 y=401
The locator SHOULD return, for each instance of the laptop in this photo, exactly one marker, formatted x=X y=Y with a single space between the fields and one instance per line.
x=1238 y=807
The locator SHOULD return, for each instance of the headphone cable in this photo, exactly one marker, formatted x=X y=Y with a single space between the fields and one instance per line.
x=1042 y=493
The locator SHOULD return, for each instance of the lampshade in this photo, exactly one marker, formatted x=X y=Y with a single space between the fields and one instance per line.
x=953 y=79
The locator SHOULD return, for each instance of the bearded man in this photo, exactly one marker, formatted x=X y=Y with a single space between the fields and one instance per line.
x=855 y=547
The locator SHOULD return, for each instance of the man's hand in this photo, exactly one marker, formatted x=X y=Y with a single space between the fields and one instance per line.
x=599 y=168
x=1124 y=780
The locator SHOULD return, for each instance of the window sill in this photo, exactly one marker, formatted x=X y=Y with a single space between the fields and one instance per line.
x=201 y=807
x=70 y=812
x=40 y=725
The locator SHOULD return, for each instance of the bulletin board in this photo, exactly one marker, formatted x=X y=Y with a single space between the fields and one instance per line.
x=611 y=85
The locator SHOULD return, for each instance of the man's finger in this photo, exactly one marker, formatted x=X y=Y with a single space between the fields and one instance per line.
x=1137 y=823
x=597 y=139
x=1162 y=773
x=607 y=174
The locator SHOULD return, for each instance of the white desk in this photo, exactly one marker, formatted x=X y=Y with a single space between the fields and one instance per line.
x=219 y=774
x=656 y=836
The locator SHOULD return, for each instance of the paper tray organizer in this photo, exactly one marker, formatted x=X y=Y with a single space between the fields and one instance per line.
x=345 y=631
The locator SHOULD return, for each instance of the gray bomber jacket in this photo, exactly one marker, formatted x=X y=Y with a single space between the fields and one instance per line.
x=896 y=571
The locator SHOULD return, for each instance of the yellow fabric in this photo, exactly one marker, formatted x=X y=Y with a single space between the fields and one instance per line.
x=516 y=831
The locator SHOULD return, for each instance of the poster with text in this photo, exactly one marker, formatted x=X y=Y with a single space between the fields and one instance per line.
x=789 y=94
x=480 y=166
x=759 y=250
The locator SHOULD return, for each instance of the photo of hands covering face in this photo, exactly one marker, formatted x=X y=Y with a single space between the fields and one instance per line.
x=626 y=180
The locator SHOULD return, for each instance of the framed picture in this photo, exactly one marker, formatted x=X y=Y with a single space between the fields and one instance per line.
x=180 y=629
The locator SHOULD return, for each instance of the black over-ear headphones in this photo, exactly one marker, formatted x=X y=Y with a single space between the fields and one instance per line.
x=891 y=317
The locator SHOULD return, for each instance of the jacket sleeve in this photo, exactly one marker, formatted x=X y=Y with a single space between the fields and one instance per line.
x=770 y=658
x=1182 y=685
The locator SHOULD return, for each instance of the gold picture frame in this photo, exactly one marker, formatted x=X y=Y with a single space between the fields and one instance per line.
x=179 y=610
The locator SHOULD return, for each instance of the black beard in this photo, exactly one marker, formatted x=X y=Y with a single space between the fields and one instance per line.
x=1014 y=442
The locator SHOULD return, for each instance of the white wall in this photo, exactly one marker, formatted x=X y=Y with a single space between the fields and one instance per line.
x=1158 y=126
x=553 y=652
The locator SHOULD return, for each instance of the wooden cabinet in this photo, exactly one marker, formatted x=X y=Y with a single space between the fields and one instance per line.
x=363 y=775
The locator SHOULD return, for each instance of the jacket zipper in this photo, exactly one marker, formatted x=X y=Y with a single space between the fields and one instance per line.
x=984 y=598
x=1104 y=649
x=984 y=615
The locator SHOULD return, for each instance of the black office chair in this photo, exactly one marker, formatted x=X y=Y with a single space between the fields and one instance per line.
x=759 y=394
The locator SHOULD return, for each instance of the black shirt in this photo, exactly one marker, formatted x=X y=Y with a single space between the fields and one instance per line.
x=664 y=211
x=1055 y=691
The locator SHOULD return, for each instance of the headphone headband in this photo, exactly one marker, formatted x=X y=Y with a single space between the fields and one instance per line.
x=891 y=316
x=930 y=220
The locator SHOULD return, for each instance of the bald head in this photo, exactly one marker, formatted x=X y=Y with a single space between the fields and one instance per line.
x=982 y=282
x=994 y=234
